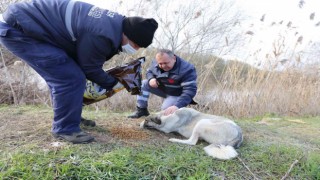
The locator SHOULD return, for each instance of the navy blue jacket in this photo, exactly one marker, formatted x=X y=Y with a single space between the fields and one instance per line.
x=97 y=33
x=180 y=81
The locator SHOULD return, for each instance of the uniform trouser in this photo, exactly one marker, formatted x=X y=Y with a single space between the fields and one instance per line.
x=64 y=77
x=142 y=100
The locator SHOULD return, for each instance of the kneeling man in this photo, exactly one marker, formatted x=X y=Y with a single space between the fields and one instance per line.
x=171 y=78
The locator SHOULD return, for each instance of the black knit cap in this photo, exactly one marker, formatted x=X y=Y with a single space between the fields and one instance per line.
x=140 y=30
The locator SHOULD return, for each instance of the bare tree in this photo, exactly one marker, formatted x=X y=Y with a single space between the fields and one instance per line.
x=8 y=79
x=196 y=26
x=5 y=3
x=189 y=26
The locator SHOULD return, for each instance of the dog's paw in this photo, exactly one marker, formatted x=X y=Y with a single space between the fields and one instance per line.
x=142 y=124
x=173 y=140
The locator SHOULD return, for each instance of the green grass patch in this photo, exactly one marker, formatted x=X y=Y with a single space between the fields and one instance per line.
x=171 y=161
x=273 y=146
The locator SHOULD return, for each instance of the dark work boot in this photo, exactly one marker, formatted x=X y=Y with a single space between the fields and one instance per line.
x=139 y=113
x=87 y=122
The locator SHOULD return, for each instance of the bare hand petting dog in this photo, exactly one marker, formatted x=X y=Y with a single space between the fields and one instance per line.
x=170 y=110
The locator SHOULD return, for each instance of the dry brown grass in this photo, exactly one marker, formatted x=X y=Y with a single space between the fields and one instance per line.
x=238 y=90
x=243 y=91
x=29 y=125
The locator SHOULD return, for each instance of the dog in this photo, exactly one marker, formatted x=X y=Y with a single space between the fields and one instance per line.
x=223 y=134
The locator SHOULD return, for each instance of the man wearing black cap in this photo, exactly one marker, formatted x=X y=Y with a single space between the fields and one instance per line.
x=67 y=42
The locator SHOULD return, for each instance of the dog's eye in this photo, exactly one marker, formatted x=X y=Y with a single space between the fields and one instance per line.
x=157 y=120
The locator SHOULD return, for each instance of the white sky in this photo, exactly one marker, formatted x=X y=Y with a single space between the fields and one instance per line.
x=286 y=11
x=275 y=10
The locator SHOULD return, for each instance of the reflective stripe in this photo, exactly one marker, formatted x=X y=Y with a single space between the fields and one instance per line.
x=1 y=19
x=145 y=93
x=172 y=86
x=68 y=18
x=187 y=83
x=141 y=98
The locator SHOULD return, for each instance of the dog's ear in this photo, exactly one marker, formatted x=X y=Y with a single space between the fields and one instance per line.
x=184 y=114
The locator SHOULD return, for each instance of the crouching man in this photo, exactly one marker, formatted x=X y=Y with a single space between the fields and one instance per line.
x=171 y=78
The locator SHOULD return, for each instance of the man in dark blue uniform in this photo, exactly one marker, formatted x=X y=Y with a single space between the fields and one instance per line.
x=171 y=78
x=67 y=42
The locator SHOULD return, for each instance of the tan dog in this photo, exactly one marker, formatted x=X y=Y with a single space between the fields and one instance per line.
x=223 y=134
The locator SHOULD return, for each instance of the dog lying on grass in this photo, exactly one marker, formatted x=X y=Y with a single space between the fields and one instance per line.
x=223 y=134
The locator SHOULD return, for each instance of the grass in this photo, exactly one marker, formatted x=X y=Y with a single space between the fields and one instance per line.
x=273 y=146
x=148 y=162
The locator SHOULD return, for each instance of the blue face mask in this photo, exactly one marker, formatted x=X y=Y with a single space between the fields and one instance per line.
x=128 y=49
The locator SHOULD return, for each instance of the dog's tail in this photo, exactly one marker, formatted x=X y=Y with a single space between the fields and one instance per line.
x=221 y=151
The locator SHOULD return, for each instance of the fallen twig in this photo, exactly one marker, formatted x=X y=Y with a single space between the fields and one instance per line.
x=155 y=176
x=247 y=168
x=290 y=169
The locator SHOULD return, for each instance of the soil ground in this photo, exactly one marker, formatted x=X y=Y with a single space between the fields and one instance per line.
x=22 y=126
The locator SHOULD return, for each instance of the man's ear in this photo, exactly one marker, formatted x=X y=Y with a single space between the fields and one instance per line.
x=125 y=39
